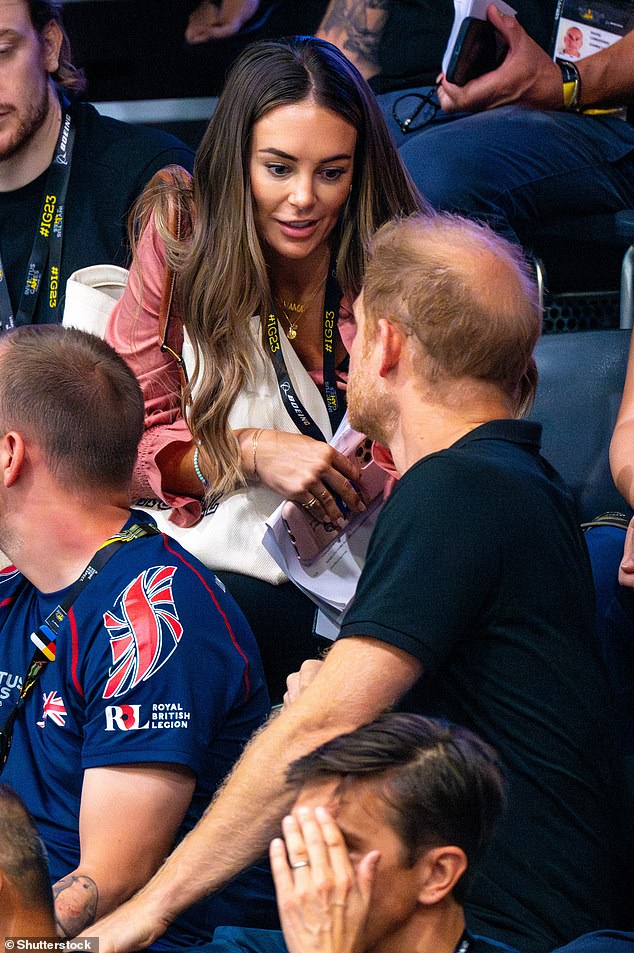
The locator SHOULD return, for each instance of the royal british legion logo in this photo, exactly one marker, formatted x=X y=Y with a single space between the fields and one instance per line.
x=144 y=630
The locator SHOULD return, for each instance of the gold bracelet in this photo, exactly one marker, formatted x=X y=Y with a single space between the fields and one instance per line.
x=254 y=446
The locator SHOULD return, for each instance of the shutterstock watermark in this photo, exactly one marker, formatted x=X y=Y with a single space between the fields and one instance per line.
x=54 y=944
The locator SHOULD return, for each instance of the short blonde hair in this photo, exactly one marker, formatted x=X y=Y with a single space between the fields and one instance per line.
x=465 y=294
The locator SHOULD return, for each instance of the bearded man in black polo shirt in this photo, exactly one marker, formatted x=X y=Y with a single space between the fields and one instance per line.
x=475 y=605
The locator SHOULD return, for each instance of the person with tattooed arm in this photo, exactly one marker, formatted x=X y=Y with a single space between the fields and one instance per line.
x=107 y=628
x=517 y=146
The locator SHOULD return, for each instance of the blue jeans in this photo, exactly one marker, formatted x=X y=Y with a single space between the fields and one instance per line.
x=516 y=167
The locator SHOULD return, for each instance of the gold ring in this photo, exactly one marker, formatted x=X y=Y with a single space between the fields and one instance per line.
x=310 y=503
x=324 y=495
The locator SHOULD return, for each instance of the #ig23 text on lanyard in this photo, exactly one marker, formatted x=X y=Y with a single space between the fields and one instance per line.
x=46 y=253
x=294 y=407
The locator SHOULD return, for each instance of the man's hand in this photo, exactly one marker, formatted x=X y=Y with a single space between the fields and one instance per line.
x=323 y=901
x=527 y=76
x=211 y=22
x=626 y=569
x=360 y=678
x=297 y=682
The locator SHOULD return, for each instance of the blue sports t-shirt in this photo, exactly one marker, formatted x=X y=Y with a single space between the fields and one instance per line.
x=155 y=663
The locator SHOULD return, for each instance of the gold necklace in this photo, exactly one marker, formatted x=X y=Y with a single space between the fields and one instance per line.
x=299 y=308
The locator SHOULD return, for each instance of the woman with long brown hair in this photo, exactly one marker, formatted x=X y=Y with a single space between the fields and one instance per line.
x=294 y=174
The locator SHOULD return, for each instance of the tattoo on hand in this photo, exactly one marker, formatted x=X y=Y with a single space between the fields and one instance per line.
x=362 y=22
x=76 y=899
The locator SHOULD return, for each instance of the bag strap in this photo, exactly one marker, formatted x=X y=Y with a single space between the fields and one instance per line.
x=173 y=180
x=45 y=636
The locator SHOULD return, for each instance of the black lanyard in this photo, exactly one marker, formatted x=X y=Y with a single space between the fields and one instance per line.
x=294 y=407
x=46 y=253
x=45 y=636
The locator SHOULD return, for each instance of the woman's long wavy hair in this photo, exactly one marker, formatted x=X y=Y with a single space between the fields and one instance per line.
x=222 y=275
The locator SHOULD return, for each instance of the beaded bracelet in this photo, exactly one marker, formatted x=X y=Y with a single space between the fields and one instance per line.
x=198 y=471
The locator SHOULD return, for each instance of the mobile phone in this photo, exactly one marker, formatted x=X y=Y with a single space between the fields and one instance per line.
x=478 y=49
x=309 y=536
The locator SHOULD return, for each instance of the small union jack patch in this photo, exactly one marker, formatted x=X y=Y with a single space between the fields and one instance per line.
x=53 y=708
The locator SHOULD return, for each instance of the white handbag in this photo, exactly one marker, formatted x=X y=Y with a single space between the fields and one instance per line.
x=91 y=294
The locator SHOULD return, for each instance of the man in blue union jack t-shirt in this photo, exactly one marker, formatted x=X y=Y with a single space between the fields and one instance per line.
x=129 y=679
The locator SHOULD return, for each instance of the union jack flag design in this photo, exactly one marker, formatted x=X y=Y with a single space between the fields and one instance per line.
x=54 y=709
x=144 y=630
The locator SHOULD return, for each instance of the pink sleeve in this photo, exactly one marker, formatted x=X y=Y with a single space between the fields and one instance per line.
x=133 y=331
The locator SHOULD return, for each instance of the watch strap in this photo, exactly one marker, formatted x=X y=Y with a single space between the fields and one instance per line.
x=572 y=85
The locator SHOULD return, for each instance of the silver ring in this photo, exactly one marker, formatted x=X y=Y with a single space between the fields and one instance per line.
x=300 y=863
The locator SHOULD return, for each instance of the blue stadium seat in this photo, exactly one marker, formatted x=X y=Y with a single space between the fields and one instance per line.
x=578 y=397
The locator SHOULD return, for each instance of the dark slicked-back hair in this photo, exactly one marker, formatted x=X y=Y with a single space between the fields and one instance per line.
x=22 y=854
x=67 y=77
x=73 y=395
x=440 y=783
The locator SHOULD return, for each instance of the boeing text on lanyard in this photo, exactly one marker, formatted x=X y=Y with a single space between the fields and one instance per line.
x=292 y=403
x=46 y=254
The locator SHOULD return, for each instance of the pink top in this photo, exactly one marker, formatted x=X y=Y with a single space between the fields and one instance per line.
x=133 y=331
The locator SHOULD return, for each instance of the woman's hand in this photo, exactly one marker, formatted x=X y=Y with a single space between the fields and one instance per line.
x=323 y=901
x=303 y=470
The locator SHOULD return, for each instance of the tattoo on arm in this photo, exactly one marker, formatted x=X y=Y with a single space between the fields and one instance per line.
x=356 y=27
x=76 y=899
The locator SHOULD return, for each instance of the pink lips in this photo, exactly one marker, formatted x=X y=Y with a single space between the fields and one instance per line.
x=303 y=229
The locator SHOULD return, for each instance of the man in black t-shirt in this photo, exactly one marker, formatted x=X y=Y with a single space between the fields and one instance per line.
x=475 y=604
x=68 y=176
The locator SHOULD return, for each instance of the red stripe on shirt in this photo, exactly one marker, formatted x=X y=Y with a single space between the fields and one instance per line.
x=74 y=651
x=218 y=607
